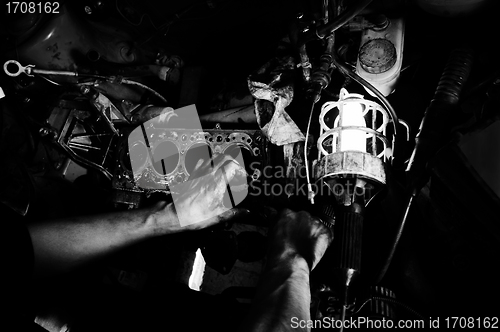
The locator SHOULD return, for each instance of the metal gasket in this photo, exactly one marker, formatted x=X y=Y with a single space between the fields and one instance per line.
x=143 y=177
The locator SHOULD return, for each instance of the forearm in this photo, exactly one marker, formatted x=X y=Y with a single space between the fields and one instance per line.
x=60 y=245
x=283 y=294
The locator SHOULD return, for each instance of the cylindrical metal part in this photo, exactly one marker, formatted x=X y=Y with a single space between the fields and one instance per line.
x=348 y=239
x=347 y=246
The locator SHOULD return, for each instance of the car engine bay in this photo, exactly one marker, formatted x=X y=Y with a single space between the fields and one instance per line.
x=396 y=100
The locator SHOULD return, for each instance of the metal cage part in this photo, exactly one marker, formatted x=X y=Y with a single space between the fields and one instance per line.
x=332 y=161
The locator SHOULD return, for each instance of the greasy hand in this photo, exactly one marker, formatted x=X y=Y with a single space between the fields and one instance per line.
x=299 y=233
x=199 y=202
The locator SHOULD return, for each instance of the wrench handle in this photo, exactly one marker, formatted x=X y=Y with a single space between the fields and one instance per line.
x=52 y=72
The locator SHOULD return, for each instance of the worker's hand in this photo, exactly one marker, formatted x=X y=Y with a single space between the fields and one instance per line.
x=213 y=188
x=298 y=234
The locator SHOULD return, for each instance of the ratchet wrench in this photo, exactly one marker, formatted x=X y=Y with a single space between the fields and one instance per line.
x=30 y=70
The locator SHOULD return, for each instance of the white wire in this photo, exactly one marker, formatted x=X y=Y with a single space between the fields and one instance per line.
x=309 y=187
x=344 y=308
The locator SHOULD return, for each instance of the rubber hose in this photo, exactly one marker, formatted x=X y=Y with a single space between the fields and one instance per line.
x=434 y=131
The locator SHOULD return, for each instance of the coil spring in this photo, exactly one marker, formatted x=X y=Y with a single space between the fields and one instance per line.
x=454 y=76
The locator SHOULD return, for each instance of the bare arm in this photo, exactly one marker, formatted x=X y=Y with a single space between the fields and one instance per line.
x=60 y=245
x=298 y=243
